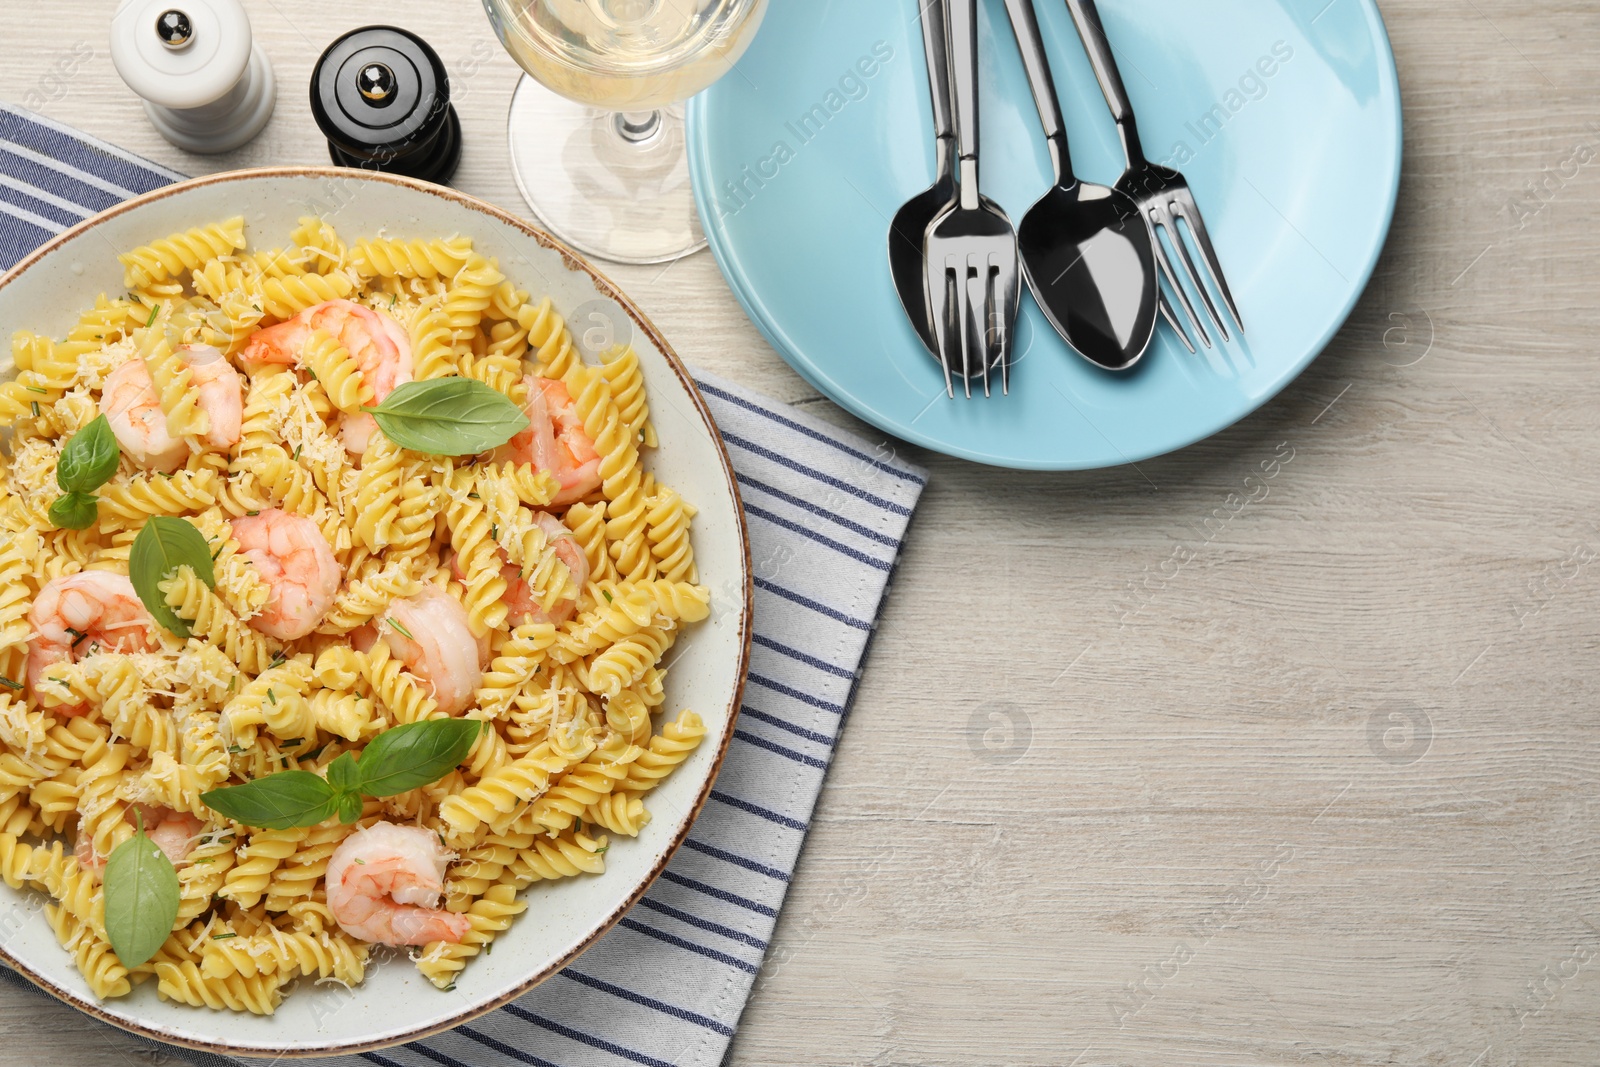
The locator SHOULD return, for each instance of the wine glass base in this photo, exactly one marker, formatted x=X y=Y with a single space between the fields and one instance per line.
x=625 y=200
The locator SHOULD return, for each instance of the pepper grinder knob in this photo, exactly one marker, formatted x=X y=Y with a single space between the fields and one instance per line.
x=206 y=86
x=381 y=96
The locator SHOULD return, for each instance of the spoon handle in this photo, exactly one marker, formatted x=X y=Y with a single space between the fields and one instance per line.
x=937 y=49
x=962 y=24
x=1087 y=18
x=1025 y=24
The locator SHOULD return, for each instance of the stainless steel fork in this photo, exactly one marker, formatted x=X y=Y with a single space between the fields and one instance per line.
x=1162 y=193
x=970 y=252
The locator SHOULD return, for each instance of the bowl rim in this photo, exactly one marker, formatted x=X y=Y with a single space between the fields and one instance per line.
x=574 y=261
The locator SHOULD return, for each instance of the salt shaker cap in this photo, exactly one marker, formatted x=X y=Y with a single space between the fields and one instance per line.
x=180 y=53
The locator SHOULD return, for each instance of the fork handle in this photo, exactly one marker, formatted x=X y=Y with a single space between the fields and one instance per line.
x=1025 y=24
x=937 y=49
x=1087 y=18
x=961 y=17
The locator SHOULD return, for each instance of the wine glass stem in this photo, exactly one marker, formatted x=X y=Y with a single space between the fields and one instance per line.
x=638 y=127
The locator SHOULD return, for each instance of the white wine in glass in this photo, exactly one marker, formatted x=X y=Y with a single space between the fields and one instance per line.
x=597 y=140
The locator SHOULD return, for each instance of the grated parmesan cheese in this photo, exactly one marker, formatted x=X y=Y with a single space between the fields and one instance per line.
x=94 y=367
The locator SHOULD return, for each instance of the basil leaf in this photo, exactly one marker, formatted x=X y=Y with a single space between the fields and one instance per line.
x=277 y=802
x=342 y=774
x=349 y=807
x=74 y=511
x=164 y=545
x=89 y=459
x=141 y=897
x=448 y=417
x=414 y=755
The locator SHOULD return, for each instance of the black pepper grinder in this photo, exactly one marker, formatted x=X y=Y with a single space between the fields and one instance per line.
x=382 y=98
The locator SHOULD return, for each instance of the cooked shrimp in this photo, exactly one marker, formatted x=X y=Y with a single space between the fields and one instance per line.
x=429 y=633
x=521 y=603
x=220 y=394
x=131 y=405
x=298 y=566
x=379 y=345
x=555 y=441
x=384 y=884
x=173 y=832
x=79 y=614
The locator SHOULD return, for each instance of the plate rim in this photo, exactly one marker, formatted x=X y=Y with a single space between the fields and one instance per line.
x=717 y=238
x=604 y=286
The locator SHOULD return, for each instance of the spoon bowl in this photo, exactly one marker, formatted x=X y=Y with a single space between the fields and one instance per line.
x=1085 y=248
x=1089 y=262
x=906 y=235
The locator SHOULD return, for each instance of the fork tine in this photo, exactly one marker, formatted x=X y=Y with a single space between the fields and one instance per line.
x=1175 y=233
x=939 y=304
x=1164 y=261
x=964 y=325
x=1190 y=212
x=980 y=298
x=1171 y=316
x=1007 y=282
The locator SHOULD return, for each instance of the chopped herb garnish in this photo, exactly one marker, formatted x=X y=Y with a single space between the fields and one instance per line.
x=9 y=684
x=222 y=937
x=293 y=742
x=494 y=532
x=473 y=495
x=252 y=514
x=153 y=313
x=37 y=389
x=218 y=552
x=34 y=404
x=235 y=750
x=451 y=988
x=278 y=659
x=402 y=629
x=272 y=699
x=361 y=861
x=601 y=850
x=297 y=449
x=397 y=760
x=77 y=636
x=607 y=594
x=314 y=753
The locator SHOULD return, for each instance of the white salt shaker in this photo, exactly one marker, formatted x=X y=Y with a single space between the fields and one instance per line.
x=206 y=86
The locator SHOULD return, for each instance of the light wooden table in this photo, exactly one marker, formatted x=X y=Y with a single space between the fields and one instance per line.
x=1324 y=794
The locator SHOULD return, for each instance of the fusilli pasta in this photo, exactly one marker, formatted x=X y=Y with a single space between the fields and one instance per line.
x=355 y=586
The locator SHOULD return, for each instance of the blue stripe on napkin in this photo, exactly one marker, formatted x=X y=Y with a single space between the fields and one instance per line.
x=828 y=513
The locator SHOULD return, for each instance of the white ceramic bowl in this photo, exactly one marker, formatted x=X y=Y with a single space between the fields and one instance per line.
x=46 y=291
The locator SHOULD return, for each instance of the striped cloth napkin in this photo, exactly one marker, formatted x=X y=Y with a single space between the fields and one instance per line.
x=828 y=515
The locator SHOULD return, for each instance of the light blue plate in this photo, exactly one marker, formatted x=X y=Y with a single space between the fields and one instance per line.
x=803 y=153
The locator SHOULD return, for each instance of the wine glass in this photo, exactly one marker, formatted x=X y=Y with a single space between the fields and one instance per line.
x=596 y=128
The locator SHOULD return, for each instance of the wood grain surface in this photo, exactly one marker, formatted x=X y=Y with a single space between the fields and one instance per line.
x=1138 y=775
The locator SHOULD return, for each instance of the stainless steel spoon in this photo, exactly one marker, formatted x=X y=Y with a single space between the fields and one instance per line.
x=1085 y=248
x=908 y=230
